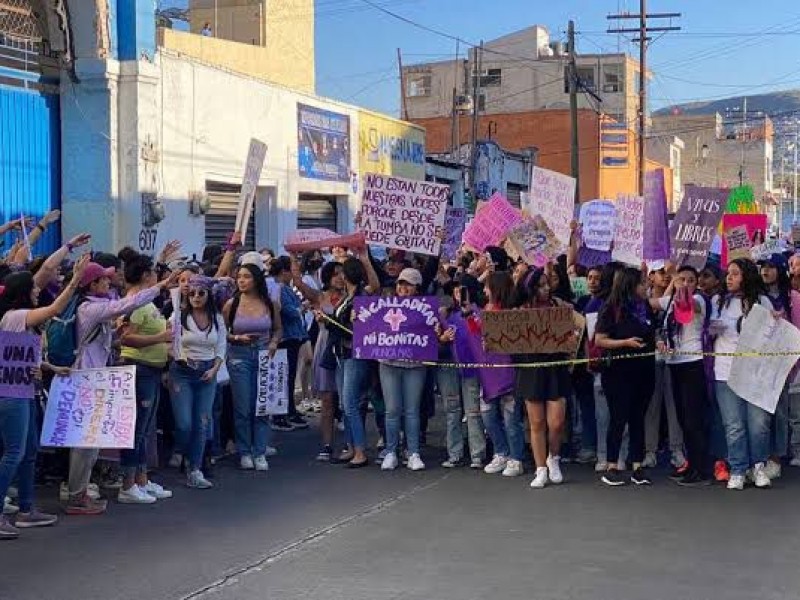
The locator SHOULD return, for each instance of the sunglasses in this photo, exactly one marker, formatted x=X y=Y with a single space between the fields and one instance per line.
x=198 y=293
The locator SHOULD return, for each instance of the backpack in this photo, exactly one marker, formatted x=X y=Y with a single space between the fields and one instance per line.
x=61 y=333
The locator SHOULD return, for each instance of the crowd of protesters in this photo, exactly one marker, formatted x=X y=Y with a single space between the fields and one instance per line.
x=193 y=328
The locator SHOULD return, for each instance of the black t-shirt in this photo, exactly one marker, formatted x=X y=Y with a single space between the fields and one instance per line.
x=626 y=323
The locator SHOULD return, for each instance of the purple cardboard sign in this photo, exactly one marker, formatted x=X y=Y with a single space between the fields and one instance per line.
x=696 y=224
x=21 y=354
x=396 y=328
x=592 y=258
x=656 y=233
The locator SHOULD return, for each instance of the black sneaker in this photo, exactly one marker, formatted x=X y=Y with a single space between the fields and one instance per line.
x=694 y=479
x=280 y=423
x=639 y=477
x=613 y=478
x=298 y=422
x=325 y=454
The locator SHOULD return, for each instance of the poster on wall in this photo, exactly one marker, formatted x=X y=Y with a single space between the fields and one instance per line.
x=396 y=328
x=489 y=168
x=629 y=230
x=756 y=226
x=552 y=197
x=390 y=147
x=252 y=173
x=91 y=408
x=323 y=144
x=403 y=213
x=695 y=226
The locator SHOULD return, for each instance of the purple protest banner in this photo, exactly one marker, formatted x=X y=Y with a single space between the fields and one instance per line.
x=656 y=233
x=587 y=257
x=396 y=328
x=455 y=220
x=22 y=353
x=696 y=224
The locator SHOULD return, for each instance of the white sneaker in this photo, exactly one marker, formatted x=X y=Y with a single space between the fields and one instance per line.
x=476 y=463
x=795 y=462
x=601 y=466
x=390 y=462
x=513 y=468
x=197 y=480
x=760 y=476
x=176 y=460
x=554 y=469
x=497 y=465
x=650 y=461
x=773 y=469
x=678 y=459
x=541 y=478
x=157 y=491
x=246 y=462
x=135 y=495
x=270 y=452
x=9 y=508
x=736 y=482
x=261 y=463
x=415 y=463
x=92 y=490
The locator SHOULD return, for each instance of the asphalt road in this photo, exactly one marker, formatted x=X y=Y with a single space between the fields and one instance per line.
x=312 y=531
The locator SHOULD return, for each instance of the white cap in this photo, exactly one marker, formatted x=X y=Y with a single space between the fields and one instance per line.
x=252 y=258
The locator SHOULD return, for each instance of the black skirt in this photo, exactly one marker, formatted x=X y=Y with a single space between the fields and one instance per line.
x=543 y=383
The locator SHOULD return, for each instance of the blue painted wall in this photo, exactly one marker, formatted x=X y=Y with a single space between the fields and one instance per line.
x=30 y=164
x=136 y=29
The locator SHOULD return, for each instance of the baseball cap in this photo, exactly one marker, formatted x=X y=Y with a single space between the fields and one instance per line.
x=776 y=260
x=252 y=258
x=411 y=276
x=93 y=272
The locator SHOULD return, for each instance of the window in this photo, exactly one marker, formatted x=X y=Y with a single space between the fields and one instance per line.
x=489 y=78
x=419 y=85
x=613 y=79
x=585 y=79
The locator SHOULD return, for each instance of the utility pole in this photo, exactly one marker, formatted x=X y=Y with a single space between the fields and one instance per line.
x=455 y=142
x=573 y=111
x=476 y=76
x=744 y=142
x=642 y=38
x=404 y=103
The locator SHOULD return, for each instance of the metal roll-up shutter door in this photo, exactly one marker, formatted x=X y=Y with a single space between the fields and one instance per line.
x=316 y=212
x=221 y=215
x=513 y=194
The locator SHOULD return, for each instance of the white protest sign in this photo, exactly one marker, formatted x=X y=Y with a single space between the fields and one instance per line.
x=252 y=174
x=552 y=197
x=629 y=230
x=272 y=396
x=92 y=408
x=760 y=380
x=597 y=224
x=767 y=249
x=177 y=326
x=403 y=213
x=591 y=325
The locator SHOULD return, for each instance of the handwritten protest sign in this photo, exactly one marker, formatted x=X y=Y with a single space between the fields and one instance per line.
x=396 y=328
x=22 y=353
x=629 y=230
x=696 y=224
x=272 y=393
x=455 y=221
x=767 y=249
x=552 y=196
x=304 y=240
x=92 y=408
x=529 y=331
x=403 y=213
x=491 y=223
x=533 y=241
x=252 y=174
x=656 y=233
x=597 y=219
x=737 y=243
x=756 y=225
x=760 y=380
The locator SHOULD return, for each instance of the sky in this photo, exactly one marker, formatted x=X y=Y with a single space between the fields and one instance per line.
x=725 y=48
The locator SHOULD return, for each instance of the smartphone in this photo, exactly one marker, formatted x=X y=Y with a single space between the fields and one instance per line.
x=463 y=296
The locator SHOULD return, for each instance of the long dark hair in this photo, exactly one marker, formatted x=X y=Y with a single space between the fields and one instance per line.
x=564 y=289
x=354 y=272
x=501 y=285
x=17 y=293
x=623 y=299
x=212 y=313
x=783 y=301
x=527 y=289
x=327 y=273
x=261 y=290
x=607 y=276
x=752 y=286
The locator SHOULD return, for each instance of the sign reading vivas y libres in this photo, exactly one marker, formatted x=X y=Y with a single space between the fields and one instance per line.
x=396 y=328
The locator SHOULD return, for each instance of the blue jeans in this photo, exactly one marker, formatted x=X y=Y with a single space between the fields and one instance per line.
x=20 y=435
x=402 y=392
x=502 y=418
x=148 y=390
x=747 y=429
x=456 y=389
x=602 y=420
x=252 y=433
x=196 y=400
x=352 y=378
x=780 y=426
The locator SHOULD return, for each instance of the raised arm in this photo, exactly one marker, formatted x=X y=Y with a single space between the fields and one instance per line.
x=37 y=316
x=49 y=269
x=227 y=262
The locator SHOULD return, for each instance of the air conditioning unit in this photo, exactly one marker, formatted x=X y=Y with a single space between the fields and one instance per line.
x=464 y=104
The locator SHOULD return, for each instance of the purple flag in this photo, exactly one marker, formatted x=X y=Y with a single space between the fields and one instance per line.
x=396 y=328
x=21 y=355
x=696 y=224
x=656 y=232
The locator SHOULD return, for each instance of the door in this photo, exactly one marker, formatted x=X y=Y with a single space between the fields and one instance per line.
x=317 y=212
x=221 y=215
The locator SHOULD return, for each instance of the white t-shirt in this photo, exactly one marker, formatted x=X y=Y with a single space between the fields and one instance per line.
x=728 y=340
x=14 y=321
x=691 y=335
x=204 y=345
